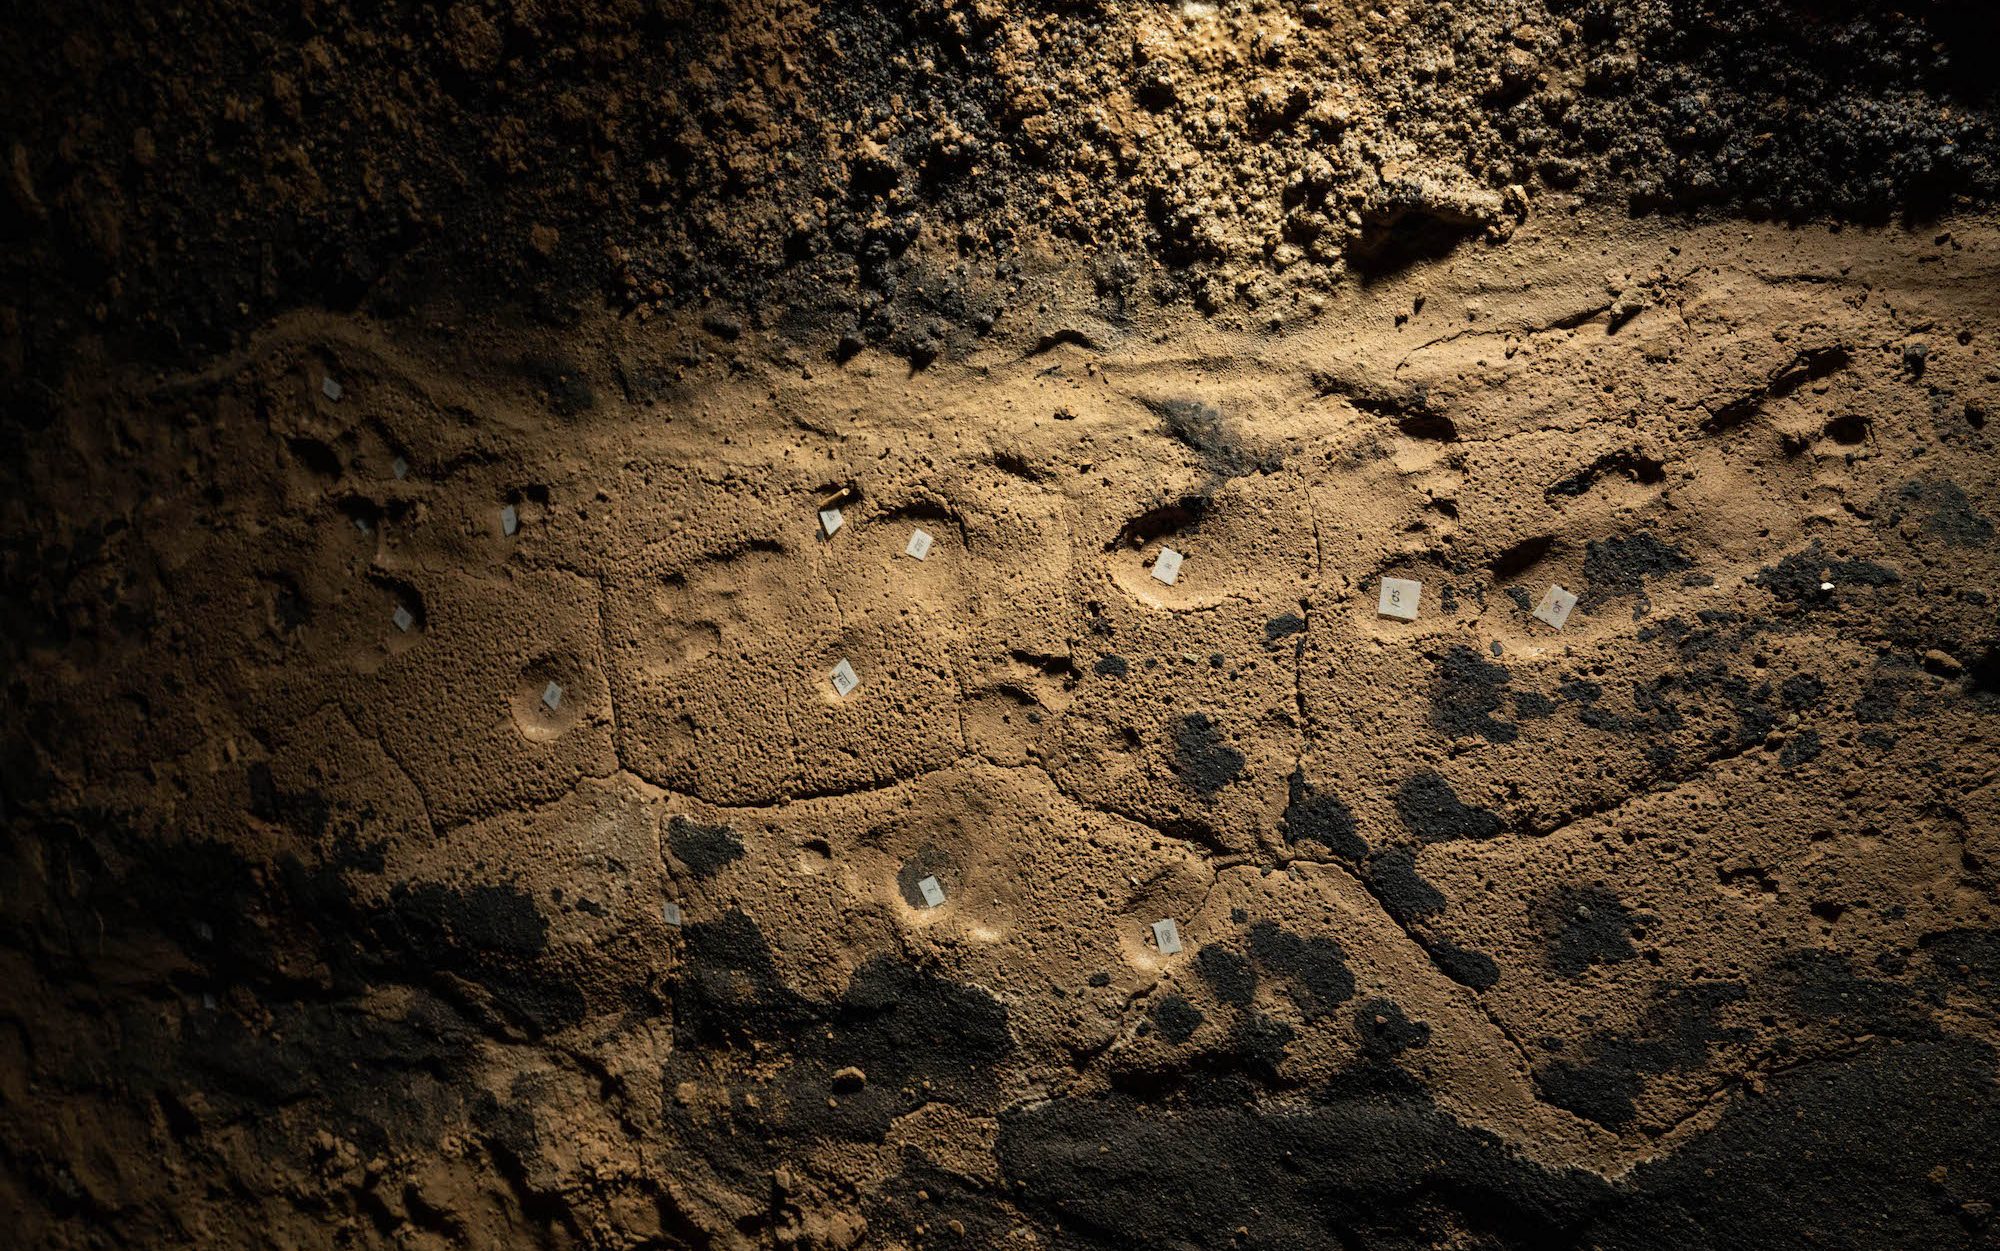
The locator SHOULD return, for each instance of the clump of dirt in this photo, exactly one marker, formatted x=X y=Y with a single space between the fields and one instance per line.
x=902 y=174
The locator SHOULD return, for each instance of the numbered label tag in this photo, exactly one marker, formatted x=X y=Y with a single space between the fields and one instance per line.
x=933 y=893
x=919 y=545
x=1167 y=565
x=403 y=619
x=401 y=468
x=330 y=389
x=1167 y=937
x=830 y=520
x=1555 y=606
x=671 y=914
x=1399 y=598
x=843 y=679
x=510 y=521
x=552 y=696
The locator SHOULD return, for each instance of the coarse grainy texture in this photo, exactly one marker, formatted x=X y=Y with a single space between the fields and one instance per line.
x=1678 y=927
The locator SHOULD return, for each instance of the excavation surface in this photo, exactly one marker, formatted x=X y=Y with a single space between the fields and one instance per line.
x=377 y=731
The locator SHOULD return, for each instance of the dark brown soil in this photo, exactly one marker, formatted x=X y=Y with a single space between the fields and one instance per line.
x=900 y=174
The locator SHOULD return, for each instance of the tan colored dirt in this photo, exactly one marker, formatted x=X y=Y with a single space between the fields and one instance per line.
x=388 y=962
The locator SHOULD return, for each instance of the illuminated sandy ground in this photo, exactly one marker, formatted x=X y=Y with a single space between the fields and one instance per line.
x=432 y=820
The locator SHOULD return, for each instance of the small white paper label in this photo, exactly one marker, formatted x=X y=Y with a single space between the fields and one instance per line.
x=510 y=521
x=552 y=696
x=1167 y=565
x=671 y=914
x=919 y=545
x=361 y=524
x=1167 y=937
x=330 y=389
x=1399 y=598
x=403 y=619
x=1555 y=606
x=829 y=520
x=933 y=893
x=843 y=678
x=401 y=468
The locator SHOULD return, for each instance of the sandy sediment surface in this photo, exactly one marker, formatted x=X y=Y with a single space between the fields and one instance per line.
x=1679 y=918
x=431 y=818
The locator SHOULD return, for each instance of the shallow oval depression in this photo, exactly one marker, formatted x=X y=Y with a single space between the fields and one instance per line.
x=537 y=721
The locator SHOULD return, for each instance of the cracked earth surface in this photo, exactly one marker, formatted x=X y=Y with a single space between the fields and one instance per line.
x=1676 y=924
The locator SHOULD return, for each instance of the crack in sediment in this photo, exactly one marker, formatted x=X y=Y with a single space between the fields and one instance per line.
x=1465 y=993
x=1608 y=808
x=1568 y=321
x=1732 y=1086
x=389 y=753
x=610 y=684
x=1312 y=515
